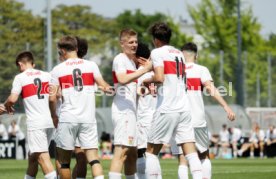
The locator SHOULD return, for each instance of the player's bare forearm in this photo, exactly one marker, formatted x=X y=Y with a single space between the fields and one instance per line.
x=2 y=109
x=124 y=78
x=11 y=100
x=53 y=96
x=103 y=85
x=212 y=90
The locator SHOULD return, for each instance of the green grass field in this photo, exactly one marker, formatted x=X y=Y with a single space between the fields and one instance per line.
x=222 y=169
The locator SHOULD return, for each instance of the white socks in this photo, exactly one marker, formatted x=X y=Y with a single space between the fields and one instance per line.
x=114 y=175
x=98 y=177
x=28 y=177
x=153 y=169
x=51 y=175
x=206 y=168
x=130 y=176
x=195 y=165
x=141 y=167
x=183 y=172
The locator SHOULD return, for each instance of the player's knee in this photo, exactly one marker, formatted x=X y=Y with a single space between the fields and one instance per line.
x=43 y=158
x=94 y=162
x=65 y=165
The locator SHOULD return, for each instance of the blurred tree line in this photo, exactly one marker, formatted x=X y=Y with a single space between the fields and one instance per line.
x=215 y=21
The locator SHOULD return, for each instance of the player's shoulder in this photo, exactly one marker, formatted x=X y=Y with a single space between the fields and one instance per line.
x=89 y=63
x=200 y=67
x=120 y=57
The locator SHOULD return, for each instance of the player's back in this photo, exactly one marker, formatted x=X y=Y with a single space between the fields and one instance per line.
x=76 y=78
x=33 y=85
x=172 y=92
x=197 y=75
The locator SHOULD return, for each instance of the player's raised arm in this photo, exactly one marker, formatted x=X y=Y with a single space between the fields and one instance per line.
x=124 y=77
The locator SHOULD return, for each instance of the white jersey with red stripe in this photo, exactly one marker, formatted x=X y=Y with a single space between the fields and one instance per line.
x=33 y=85
x=76 y=77
x=125 y=98
x=145 y=104
x=197 y=75
x=172 y=96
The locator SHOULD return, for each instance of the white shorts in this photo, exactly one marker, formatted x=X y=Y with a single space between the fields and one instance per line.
x=67 y=133
x=124 y=129
x=143 y=128
x=201 y=138
x=171 y=125
x=39 y=140
x=77 y=142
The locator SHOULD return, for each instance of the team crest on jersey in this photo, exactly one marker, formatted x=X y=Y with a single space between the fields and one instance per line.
x=130 y=140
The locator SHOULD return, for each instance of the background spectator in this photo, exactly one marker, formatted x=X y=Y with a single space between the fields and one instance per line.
x=15 y=132
x=3 y=131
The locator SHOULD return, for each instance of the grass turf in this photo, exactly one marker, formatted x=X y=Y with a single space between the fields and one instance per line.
x=222 y=169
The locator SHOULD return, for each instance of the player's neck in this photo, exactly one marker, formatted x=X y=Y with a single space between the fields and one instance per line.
x=72 y=54
x=27 y=67
x=188 y=60
x=130 y=56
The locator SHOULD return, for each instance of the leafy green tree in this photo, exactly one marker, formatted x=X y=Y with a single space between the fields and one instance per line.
x=18 y=28
x=141 y=23
x=216 y=21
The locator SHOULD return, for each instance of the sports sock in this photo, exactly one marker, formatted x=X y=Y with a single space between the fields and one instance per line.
x=141 y=166
x=153 y=169
x=28 y=177
x=130 y=176
x=206 y=168
x=195 y=165
x=183 y=172
x=99 y=177
x=114 y=175
x=51 y=175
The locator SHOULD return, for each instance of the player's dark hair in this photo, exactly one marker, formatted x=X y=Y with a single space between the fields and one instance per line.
x=82 y=47
x=127 y=33
x=190 y=46
x=24 y=57
x=161 y=31
x=68 y=43
x=143 y=51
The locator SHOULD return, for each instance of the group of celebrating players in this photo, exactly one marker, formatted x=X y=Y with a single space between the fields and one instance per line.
x=157 y=100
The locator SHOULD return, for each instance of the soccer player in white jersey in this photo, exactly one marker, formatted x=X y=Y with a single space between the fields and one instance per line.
x=76 y=78
x=199 y=77
x=32 y=85
x=146 y=103
x=125 y=77
x=172 y=117
x=80 y=168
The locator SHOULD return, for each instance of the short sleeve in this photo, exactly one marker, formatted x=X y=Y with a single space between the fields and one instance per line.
x=96 y=71
x=156 y=59
x=205 y=75
x=16 y=86
x=118 y=65
x=54 y=77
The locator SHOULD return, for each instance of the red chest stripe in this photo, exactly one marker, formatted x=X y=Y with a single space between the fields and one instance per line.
x=170 y=67
x=31 y=89
x=194 y=84
x=68 y=81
